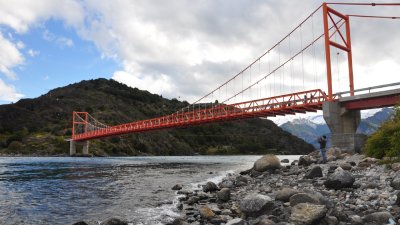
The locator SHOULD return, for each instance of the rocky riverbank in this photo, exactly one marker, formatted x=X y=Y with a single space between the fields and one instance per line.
x=349 y=189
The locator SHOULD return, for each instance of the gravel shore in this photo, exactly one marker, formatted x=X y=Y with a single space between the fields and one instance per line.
x=349 y=189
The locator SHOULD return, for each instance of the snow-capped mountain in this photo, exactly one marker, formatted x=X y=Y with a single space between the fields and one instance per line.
x=311 y=127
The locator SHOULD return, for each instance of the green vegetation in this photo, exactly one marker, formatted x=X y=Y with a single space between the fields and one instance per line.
x=40 y=126
x=386 y=141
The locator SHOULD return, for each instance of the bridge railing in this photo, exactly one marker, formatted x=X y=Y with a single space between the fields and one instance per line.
x=368 y=90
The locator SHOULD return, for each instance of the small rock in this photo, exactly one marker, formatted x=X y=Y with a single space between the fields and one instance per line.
x=254 y=204
x=285 y=161
x=302 y=198
x=364 y=164
x=236 y=221
x=330 y=220
x=294 y=162
x=306 y=214
x=206 y=212
x=224 y=194
x=378 y=218
x=177 y=187
x=316 y=171
x=192 y=200
x=114 y=221
x=285 y=193
x=210 y=187
x=266 y=221
x=356 y=220
x=340 y=179
x=267 y=162
x=345 y=166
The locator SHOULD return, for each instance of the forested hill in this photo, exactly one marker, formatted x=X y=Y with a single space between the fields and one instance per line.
x=40 y=126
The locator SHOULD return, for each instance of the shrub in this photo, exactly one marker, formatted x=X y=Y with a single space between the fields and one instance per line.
x=385 y=142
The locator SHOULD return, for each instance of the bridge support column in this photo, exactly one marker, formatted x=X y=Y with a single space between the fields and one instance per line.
x=85 y=150
x=72 y=147
x=343 y=124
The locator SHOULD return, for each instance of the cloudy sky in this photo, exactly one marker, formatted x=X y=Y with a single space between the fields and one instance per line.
x=178 y=48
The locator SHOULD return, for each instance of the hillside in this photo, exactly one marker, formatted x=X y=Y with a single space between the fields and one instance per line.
x=40 y=126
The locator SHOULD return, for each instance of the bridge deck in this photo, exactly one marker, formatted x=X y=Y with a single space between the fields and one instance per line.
x=371 y=100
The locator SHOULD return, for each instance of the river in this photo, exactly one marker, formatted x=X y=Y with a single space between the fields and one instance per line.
x=64 y=190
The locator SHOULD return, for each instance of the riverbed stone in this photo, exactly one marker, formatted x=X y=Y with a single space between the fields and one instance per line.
x=206 y=212
x=340 y=179
x=302 y=198
x=345 y=166
x=267 y=162
x=224 y=194
x=266 y=221
x=395 y=183
x=307 y=214
x=316 y=171
x=396 y=166
x=210 y=187
x=80 y=223
x=285 y=193
x=236 y=221
x=255 y=204
x=285 y=161
x=114 y=221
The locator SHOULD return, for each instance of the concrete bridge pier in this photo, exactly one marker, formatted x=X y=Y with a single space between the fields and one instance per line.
x=72 y=147
x=85 y=150
x=343 y=124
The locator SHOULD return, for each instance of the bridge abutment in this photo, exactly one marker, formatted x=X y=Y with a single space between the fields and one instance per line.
x=343 y=124
x=85 y=150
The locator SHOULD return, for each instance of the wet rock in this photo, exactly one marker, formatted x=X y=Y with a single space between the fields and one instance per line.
x=345 y=166
x=378 y=218
x=210 y=187
x=316 y=171
x=267 y=162
x=227 y=184
x=306 y=213
x=224 y=195
x=395 y=183
x=236 y=221
x=302 y=198
x=192 y=200
x=177 y=187
x=80 y=223
x=114 y=221
x=340 y=179
x=285 y=161
x=294 y=162
x=254 y=204
x=305 y=161
x=285 y=193
x=206 y=212
x=178 y=221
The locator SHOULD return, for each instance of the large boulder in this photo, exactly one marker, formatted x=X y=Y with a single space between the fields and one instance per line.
x=316 y=171
x=306 y=213
x=340 y=179
x=255 y=204
x=267 y=162
x=224 y=194
x=302 y=198
x=114 y=221
x=305 y=160
x=210 y=187
x=378 y=218
x=285 y=193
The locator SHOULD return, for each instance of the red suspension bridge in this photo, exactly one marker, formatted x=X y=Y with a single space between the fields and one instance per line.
x=286 y=79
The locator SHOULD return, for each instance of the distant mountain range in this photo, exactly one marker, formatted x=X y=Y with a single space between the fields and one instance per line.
x=310 y=128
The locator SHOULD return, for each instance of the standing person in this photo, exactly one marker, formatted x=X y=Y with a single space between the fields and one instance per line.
x=322 y=148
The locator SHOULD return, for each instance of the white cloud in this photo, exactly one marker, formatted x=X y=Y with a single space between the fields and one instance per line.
x=8 y=92
x=59 y=40
x=33 y=53
x=10 y=57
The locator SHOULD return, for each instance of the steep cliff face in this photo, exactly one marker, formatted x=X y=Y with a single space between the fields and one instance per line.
x=40 y=125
